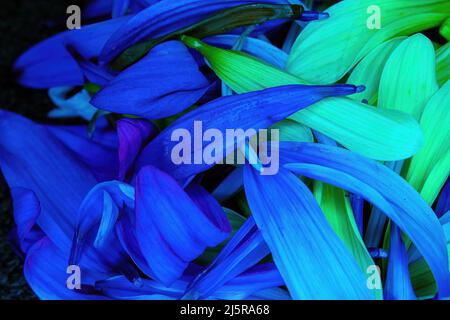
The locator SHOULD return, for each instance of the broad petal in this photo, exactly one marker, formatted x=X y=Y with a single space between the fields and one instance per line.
x=46 y=271
x=170 y=228
x=326 y=50
x=165 y=82
x=435 y=123
x=295 y=229
x=409 y=77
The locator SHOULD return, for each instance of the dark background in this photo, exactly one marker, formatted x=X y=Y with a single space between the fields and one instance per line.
x=23 y=23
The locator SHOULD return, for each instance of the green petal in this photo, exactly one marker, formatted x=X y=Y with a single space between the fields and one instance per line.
x=336 y=206
x=377 y=134
x=368 y=71
x=443 y=64
x=326 y=50
x=409 y=77
x=435 y=123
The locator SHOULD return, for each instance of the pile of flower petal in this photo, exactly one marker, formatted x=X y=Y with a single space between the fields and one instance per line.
x=359 y=206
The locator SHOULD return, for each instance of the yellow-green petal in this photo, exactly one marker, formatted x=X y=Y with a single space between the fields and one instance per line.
x=338 y=211
x=377 y=134
x=326 y=50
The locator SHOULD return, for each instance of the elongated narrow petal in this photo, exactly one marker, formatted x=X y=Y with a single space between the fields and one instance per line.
x=443 y=64
x=74 y=106
x=443 y=204
x=50 y=64
x=337 y=209
x=409 y=77
x=435 y=124
x=421 y=276
x=296 y=230
x=132 y=133
x=165 y=17
x=383 y=188
x=253 y=46
x=257 y=110
x=398 y=283
x=370 y=131
x=98 y=213
x=166 y=82
x=354 y=28
x=170 y=228
x=244 y=250
x=368 y=71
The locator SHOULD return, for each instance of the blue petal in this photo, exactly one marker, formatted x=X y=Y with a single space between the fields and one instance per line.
x=377 y=219
x=301 y=240
x=165 y=82
x=31 y=157
x=245 y=249
x=357 y=204
x=171 y=230
x=443 y=203
x=132 y=133
x=381 y=186
x=120 y=8
x=398 y=284
x=46 y=272
x=163 y=18
x=50 y=64
x=26 y=211
x=102 y=155
x=229 y=186
x=256 y=110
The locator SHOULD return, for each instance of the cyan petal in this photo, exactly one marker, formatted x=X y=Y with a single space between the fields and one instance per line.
x=301 y=240
x=380 y=186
